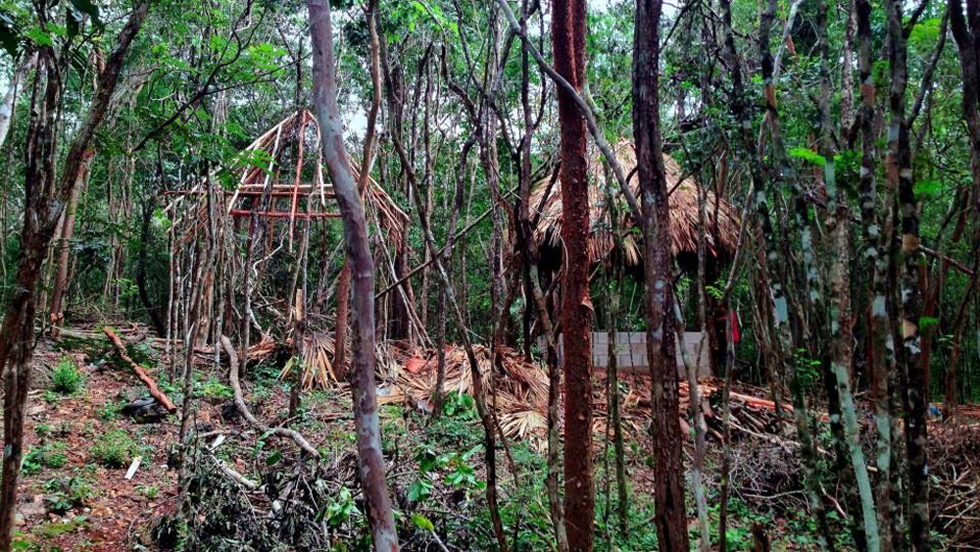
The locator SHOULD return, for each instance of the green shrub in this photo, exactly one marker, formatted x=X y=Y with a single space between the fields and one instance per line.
x=109 y=412
x=114 y=449
x=149 y=491
x=49 y=455
x=213 y=389
x=65 y=493
x=66 y=379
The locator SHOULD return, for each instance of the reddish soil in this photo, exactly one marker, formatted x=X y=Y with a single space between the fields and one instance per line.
x=109 y=518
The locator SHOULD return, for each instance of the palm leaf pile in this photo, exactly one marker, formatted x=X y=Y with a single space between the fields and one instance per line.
x=317 y=368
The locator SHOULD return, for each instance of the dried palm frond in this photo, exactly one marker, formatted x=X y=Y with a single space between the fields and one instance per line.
x=262 y=350
x=317 y=366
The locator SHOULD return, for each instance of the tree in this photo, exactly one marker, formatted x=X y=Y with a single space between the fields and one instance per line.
x=46 y=196
x=370 y=459
x=670 y=514
x=568 y=32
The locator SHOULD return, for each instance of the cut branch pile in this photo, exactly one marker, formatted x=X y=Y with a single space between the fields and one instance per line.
x=954 y=460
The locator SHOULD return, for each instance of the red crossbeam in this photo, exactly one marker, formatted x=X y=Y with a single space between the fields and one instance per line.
x=282 y=214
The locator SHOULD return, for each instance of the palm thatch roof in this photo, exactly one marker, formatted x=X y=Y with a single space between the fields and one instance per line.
x=683 y=202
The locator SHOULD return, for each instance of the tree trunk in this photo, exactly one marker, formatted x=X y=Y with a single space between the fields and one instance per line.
x=568 y=32
x=371 y=462
x=670 y=514
x=899 y=171
x=64 y=246
x=342 y=320
x=10 y=98
x=45 y=198
x=841 y=320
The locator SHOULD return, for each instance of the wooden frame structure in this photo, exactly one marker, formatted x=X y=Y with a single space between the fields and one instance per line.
x=258 y=184
x=297 y=197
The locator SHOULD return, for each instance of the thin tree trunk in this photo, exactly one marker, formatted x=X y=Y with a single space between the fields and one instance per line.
x=670 y=515
x=446 y=255
x=882 y=347
x=612 y=372
x=568 y=32
x=899 y=171
x=480 y=394
x=841 y=322
x=370 y=459
x=343 y=283
x=64 y=247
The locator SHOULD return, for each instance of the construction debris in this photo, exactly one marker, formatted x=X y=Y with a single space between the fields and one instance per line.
x=521 y=395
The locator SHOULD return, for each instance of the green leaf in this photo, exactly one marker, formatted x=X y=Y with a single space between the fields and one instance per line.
x=56 y=29
x=39 y=37
x=925 y=32
x=927 y=322
x=423 y=522
x=273 y=458
x=927 y=188
x=420 y=490
x=808 y=155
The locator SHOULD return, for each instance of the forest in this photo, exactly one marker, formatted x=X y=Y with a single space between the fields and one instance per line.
x=498 y=275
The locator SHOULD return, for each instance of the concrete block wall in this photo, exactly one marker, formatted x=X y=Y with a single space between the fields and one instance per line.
x=631 y=352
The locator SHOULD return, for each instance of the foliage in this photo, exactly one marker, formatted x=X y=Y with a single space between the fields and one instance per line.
x=48 y=455
x=68 y=492
x=114 y=449
x=461 y=405
x=66 y=378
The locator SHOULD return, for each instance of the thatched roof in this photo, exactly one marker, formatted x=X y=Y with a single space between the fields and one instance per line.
x=683 y=202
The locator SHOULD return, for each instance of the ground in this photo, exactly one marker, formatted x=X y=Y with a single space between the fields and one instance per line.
x=74 y=495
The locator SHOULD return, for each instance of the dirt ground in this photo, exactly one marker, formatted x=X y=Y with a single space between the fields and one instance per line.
x=115 y=506
x=74 y=502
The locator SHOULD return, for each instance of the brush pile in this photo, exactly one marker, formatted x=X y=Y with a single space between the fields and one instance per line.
x=520 y=396
x=519 y=390
x=954 y=463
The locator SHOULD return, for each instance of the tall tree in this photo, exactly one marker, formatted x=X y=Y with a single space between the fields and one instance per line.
x=670 y=516
x=370 y=460
x=838 y=225
x=898 y=168
x=882 y=346
x=568 y=36
x=45 y=197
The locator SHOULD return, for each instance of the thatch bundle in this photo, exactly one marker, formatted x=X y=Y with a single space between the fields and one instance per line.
x=521 y=390
x=317 y=368
x=316 y=364
x=683 y=202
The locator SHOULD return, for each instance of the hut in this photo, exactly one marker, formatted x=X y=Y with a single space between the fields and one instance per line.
x=684 y=197
x=245 y=218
